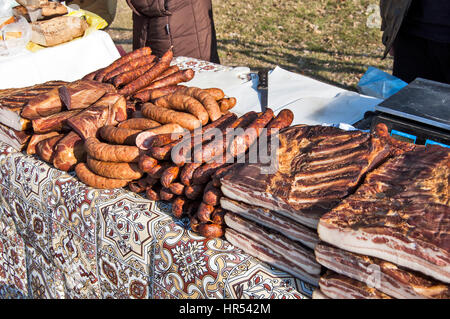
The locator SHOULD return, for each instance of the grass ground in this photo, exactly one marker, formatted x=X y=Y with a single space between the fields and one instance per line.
x=334 y=41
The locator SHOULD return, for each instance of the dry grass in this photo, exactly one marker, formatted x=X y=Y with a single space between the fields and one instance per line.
x=328 y=40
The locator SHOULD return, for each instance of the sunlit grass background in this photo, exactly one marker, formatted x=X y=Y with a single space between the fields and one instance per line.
x=334 y=41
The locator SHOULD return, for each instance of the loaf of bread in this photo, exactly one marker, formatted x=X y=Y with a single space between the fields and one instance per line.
x=57 y=30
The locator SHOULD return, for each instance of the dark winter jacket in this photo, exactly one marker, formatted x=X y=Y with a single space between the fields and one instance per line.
x=188 y=25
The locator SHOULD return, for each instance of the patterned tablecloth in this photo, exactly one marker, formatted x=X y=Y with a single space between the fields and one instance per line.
x=62 y=239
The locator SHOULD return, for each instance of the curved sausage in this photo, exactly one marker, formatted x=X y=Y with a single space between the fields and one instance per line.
x=242 y=142
x=91 y=76
x=165 y=194
x=158 y=169
x=204 y=212
x=152 y=193
x=130 y=75
x=179 y=206
x=146 y=163
x=205 y=134
x=169 y=175
x=127 y=171
x=187 y=172
x=216 y=93
x=173 y=79
x=144 y=139
x=134 y=64
x=119 y=135
x=170 y=70
x=215 y=148
x=89 y=178
x=139 y=124
x=145 y=79
x=226 y=104
x=210 y=230
x=111 y=153
x=163 y=139
x=146 y=95
x=208 y=101
x=283 y=119
x=166 y=116
x=217 y=217
x=184 y=103
x=177 y=188
x=212 y=194
x=135 y=187
x=122 y=60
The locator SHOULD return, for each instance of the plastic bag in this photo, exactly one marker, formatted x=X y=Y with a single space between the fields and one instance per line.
x=14 y=36
x=379 y=84
x=6 y=8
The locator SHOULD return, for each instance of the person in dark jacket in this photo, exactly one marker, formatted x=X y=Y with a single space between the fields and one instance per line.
x=417 y=34
x=187 y=25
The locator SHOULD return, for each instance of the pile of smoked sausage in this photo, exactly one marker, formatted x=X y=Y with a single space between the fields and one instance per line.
x=141 y=76
x=191 y=180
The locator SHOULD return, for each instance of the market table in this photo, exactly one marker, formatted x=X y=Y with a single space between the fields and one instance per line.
x=62 y=239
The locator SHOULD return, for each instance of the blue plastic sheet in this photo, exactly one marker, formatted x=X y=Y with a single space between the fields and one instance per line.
x=379 y=84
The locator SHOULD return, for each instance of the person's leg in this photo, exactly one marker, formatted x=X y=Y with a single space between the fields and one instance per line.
x=139 y=36
x=411 y=58
x=440 y=55
x=214 y=57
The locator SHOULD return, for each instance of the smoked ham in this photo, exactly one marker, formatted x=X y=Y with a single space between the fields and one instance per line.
x=83 y=93
x=55 y=122
x=110 y=109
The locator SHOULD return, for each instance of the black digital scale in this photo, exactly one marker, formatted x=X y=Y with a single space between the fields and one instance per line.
x=419 y=113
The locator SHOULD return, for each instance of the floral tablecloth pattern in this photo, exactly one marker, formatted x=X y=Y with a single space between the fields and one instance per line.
x=62 y=239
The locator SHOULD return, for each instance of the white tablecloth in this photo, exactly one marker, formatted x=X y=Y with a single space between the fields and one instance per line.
x=68 y=62
x=313 y=102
